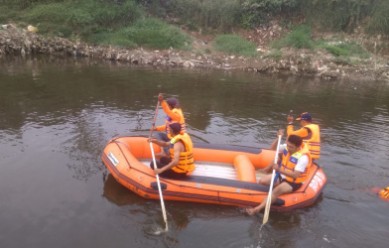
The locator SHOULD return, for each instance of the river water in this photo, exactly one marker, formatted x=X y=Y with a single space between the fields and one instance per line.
x=57 y=115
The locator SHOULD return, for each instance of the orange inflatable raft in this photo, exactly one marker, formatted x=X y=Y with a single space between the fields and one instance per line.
x=225 y=175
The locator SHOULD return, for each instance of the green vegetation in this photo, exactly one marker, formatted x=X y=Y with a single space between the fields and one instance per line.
x=154 y=33
x=257 y=12
x=379 y=22
x=204 y=14
x=344 y=49
x=118 y=22
x=234 y=44
x=300 y=37
x=134 y=23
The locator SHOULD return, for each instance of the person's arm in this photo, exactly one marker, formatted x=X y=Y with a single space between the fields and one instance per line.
x=160 y=128
x=159 y=142
x=267 y=169
x=302 y=132
x=178 y=147
x=173 y=115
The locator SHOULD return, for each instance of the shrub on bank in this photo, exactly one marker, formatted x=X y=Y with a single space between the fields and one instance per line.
x=198 y=14
x=153 y=33
x=299 y=37
x=344 y=49
x=234 y=44
x=149 y=32
x=379 y=22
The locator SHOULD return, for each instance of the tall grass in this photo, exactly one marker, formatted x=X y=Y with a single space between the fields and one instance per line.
x=259 y=12
x=79 y=18
x=337 y=15
x=149 y=32
x=234 y=44
x=299 y=37
x=153 y=33
x=379 y=22
x=205 y=14
x=344 y=49
x=116 y=22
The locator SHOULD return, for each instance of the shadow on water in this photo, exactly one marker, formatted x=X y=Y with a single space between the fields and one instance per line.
x=118 y=194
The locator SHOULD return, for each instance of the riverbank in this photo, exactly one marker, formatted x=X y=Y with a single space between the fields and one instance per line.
x=15 y=41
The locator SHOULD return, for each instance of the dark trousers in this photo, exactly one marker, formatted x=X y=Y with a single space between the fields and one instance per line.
x=163 y=136
x=168 y=173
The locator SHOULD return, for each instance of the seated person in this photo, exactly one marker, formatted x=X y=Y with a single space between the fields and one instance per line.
x=174 y=113
x=309 y=132
x=181 y=159
x=294 y=164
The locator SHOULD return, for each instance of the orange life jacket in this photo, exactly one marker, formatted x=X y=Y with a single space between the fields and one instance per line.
x=313 y=141
x=169 y=120
x=186 y=162
x=289 y=161
x=384 y=194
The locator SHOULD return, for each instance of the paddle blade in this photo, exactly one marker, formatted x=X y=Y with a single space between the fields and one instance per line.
x=268 y=201
x=267 y=211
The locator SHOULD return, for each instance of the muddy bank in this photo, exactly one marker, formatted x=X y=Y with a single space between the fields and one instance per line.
x=21 y=42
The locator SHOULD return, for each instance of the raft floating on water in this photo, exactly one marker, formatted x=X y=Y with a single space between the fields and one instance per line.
x=224 y=175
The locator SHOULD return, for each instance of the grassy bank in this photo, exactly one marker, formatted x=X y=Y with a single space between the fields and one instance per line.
x=122 y=23
x=300 y=37
x=160 y=24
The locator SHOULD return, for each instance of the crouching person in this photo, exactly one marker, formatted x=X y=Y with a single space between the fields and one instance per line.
x=180 y=162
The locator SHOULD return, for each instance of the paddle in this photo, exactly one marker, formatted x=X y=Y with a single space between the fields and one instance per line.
x=155 y=167
x=268 y=202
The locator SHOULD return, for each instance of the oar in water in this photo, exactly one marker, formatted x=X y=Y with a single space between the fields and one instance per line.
x=156 y=175
x=268 y=202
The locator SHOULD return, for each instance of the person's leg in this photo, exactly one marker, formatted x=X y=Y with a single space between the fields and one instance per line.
x=161 y=163
x=163 y=136
x=282 y=188
x=173 y=175
x=169 y=173
x=266 y=179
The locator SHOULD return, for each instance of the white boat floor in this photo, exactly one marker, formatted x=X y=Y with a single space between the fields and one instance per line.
x=209 y=169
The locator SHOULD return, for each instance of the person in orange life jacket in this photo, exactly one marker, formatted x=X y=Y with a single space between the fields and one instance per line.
x=266 y=176
x=309 y=132
x=294 y=164
x=181 y=159
x=173 y=114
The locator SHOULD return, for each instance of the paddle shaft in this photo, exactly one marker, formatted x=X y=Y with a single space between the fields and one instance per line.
x=155 y=166
x=155 y=120
x=159 y=189
x=268 y=202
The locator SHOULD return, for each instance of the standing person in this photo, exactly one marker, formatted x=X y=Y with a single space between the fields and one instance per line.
x=174 y=113
x=295 y=163
x=181 y=159
x=309 y=132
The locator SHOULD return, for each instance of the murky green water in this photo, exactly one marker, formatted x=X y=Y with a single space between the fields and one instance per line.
x=57 y=115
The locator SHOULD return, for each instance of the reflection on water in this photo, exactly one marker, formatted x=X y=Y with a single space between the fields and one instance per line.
x=57 y=115
x=118 y=194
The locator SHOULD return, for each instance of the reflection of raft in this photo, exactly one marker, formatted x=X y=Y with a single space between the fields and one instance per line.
x=118 y=194
x=223 y=175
